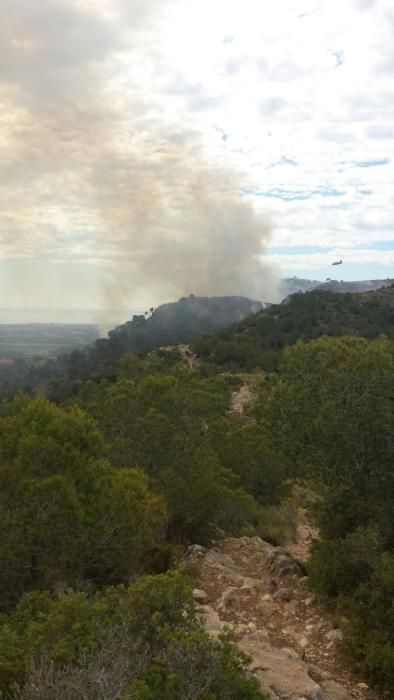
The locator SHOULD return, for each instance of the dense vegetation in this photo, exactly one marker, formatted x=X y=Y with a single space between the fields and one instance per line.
x=331 y=412
x=258 y=341
x=168 y=324
x=144 y=642
x=101 y=491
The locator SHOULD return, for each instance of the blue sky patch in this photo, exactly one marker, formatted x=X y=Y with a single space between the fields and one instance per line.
x=293 y=195
x=284 y=160
x=371 y=163
x=382 y=245
x=296 y=250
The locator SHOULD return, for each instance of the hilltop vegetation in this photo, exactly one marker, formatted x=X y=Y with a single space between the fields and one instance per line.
x=253 y=343
x=101 y=492
x=168 y=324
x=258 y=341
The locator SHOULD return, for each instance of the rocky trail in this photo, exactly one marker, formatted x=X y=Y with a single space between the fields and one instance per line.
x=305 y=534
x=261 y=592
x=189 y=358
x=241 y=399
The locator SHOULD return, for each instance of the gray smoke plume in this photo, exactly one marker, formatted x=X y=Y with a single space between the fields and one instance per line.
x=96 y=176
x=178 y=226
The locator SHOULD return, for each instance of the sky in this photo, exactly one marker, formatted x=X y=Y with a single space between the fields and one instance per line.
x=153 y=148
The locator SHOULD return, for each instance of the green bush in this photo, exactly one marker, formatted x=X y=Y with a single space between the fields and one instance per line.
x=338 y=567
x=140 y=642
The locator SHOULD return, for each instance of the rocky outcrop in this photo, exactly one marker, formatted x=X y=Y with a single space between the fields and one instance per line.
x=261 y=593
x=281 y=671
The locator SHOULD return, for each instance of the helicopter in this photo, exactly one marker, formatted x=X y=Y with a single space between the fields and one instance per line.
x=337 y=262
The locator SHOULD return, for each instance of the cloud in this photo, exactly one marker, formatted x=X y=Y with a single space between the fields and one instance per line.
x=272 y=105
x=364 y=4
x=139 y=144
x=95 y=172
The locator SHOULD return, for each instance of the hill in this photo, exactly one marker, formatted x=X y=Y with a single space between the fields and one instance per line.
x=258 y=341
x=169 y=324
x=232 y=332
x=176 y=322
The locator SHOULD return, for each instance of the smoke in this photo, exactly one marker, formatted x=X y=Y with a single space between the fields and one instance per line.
x=99 y=176
x=179 y=225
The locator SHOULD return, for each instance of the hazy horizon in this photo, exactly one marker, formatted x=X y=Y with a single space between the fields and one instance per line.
x=15 y=315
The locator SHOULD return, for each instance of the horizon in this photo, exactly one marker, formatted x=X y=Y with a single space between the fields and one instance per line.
x=86 y=316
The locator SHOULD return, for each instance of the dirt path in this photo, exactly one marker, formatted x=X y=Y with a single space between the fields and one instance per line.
x=188 y=356
x=305 y=534
x=262 y=594
x=241 y=399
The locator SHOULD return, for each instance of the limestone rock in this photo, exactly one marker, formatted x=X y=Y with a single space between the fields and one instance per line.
x=267 y=608
x=200 y=596
x=212 y=621
x=283 y=565
x=334 y=691
x=196 y=550
x=228 y=600
x=334 y=636
x=266 y=586
x=280 y=671
x=317 y=674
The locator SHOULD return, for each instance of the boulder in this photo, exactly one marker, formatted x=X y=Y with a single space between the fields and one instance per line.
x=196 y=550
x=283 y=565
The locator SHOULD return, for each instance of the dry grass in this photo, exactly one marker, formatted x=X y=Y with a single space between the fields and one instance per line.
x=278 y=524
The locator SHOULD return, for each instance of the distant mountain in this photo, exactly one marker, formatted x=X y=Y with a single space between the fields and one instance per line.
x=293 y=285
x=341 y=287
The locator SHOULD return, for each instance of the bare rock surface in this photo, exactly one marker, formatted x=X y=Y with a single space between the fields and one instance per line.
x=293 y=679
x=261 y=593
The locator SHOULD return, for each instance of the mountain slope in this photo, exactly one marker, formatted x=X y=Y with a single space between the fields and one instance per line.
x=169 y=324
x=258 y=340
